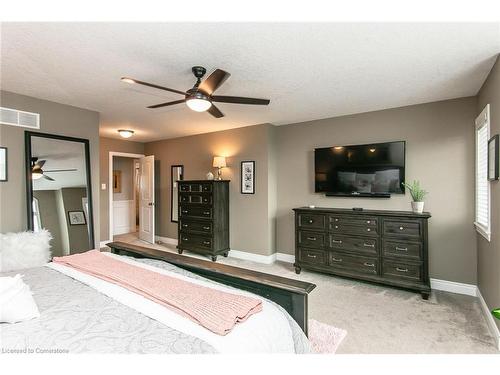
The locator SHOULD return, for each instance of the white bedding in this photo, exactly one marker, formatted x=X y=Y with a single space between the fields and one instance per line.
x=265 y=332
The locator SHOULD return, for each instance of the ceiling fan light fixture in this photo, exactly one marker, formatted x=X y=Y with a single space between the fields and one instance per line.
x=36 y=174
x=198 y=105
x=125 y=133
x=128 y=80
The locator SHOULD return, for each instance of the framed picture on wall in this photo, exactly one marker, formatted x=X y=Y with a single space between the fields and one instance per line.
x=248 y=177
x=76 y=218
x=3 y=164
x=117 y=181
x=493 y=158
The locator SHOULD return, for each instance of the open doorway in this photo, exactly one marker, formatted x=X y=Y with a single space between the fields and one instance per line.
x=131 y=197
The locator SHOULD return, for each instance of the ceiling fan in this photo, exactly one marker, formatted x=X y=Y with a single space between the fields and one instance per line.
x=200 y=97
x=37 y=172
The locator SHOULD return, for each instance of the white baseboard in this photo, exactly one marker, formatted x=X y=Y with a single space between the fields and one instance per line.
x=490 y=320
x=103 y=243
x=454 y=287
x=266 y=259
x=170 y=241
x=288 y=258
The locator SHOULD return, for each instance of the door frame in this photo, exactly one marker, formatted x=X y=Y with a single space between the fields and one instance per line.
x=110 y=186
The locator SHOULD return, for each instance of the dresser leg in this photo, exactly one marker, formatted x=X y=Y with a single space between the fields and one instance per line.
x=226 y=254
x=214 y=258
x=180 y=251
x=425 y=295
x=297 y=269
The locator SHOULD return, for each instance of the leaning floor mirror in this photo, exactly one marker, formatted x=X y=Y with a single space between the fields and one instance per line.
x=59 y=195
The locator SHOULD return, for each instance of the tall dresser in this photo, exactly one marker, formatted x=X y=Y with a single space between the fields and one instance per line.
x=204 y=217
x=387 y=247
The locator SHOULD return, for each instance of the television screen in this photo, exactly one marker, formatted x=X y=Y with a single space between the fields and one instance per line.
x=360 y=170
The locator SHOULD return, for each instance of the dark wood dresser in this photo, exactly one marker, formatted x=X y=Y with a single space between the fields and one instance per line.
x=387 y=247
x=204 y=217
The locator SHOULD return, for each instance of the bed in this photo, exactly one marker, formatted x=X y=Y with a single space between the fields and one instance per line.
x=78 y=317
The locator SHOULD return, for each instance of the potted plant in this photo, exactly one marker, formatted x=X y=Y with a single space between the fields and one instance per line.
x=418 y=194
x=496 y=313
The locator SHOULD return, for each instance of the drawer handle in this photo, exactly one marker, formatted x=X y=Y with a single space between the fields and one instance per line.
x=401 y=269
x=184 y=239
x=311 y=256
x=310 y=221
x=336 y=219
x=311 y=238
x=336 y=260
x=369 y=264
x=401 y=248
x=401 y=228
x=206 y=212
x=336 y=227
x=369 y=245
x=337 y=241
x=368 y=230
x=184 y=211
x=206 y=242
x=368 y=221
x=206 y=228
x=185 y=225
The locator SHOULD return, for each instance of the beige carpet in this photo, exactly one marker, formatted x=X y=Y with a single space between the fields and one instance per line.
x=380 y=319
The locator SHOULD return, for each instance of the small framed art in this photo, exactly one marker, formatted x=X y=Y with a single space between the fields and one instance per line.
x=248 y=177
x=3 y=164
x=76 y=218
x=493 y=158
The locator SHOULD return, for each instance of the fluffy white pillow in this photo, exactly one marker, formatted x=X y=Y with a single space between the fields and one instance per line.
x=16 y=301
x=24 y=250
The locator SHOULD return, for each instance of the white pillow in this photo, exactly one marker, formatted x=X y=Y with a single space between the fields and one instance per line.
x=24 y=250
x=16 y=302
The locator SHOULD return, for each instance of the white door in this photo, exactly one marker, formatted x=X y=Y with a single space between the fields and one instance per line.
x=147 y=199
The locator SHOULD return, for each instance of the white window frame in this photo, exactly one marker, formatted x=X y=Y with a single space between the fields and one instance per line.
x=482 y=120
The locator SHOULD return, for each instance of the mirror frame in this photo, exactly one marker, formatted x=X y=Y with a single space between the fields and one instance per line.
x=29 y=182
x=172 y=190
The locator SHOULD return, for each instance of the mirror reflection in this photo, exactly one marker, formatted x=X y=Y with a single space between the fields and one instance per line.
x=60 y=199
x=176 y=174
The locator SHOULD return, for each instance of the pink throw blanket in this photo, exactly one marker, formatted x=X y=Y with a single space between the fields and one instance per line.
x=215 y=310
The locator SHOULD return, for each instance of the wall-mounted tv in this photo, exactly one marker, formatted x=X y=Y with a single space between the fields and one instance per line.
x=371 y=170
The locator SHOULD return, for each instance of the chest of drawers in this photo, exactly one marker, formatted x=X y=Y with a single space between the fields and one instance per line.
x=387 y=247
x=204 y=217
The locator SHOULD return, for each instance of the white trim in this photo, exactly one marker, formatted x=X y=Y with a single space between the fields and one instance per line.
x=490 y=320
x=483 y=231
x=288 y=258
x=110 y=183
x=454 y=287
x=171 y=241
x=103 y=243
x=266 y=259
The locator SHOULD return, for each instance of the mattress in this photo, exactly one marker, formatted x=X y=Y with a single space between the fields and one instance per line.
x=76 y=318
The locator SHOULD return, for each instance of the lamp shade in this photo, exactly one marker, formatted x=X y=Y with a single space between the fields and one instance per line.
x=219 y=162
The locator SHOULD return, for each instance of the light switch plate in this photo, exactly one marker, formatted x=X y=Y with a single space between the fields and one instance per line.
x=103 y=186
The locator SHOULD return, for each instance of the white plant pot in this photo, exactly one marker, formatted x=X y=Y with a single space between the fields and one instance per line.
x=417 y=207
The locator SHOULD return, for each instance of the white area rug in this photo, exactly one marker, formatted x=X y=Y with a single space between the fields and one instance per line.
x=325 y=339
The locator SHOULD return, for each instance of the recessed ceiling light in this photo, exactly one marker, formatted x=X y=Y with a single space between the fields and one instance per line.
x=127 y=80
x=126 y=133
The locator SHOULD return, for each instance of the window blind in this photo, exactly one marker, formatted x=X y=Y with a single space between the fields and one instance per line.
x=482 y=185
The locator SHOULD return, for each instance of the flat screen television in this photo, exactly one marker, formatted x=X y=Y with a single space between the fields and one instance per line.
x=372 y=170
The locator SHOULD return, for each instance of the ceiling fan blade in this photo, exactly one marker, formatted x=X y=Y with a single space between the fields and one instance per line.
x=131 y=80
x=214 y=111
x=48 y=178
x=40 y=163
x=239 y=100
x=62 y=170
x=167 y=103
x=214 y=81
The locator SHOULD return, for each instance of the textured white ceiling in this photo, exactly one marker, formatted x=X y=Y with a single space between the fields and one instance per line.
x=309 y=71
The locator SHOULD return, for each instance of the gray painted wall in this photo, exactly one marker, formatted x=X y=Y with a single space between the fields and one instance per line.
x=440 y=153
x=55 y=118
x=488 y=253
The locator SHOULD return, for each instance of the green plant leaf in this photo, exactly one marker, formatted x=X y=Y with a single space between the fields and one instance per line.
x=496 y=313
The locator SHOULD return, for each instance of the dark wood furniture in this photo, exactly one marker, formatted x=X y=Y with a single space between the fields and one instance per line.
x=289 y=294
x=204 y=217
x=387 y=247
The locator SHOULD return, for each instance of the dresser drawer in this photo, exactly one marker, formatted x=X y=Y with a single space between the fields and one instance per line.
x=355 y=244
x=312 y=256
x=196 y=211
x=365 y=230
x=195 y=241
x=312 y=221
x=311 y=239
x=195 y=226
x=195 y=187
x=401 y=228
x=196 y=198
x=403 y=250
x=361 y=265
x=400 y=270
x=350 y=220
